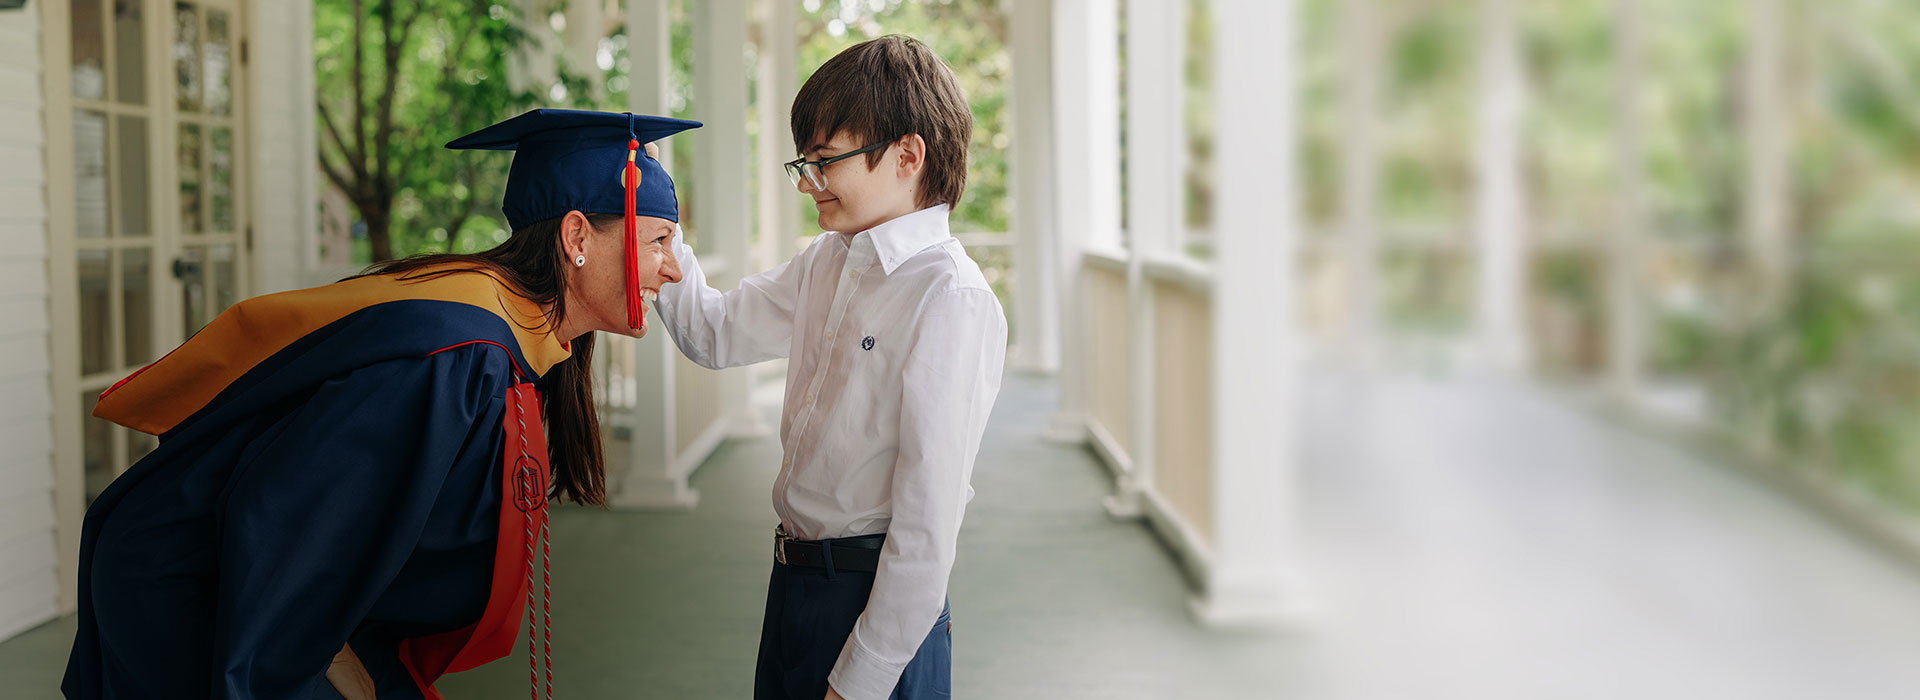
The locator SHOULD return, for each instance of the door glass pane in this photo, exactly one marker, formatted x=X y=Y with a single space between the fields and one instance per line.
x=136 y=304
x=90 y=173
x=219 y=54
x=131 y=177
x=89 y=51
x=97 y=456
x=220 y=185
x=193 y=288
x=220 y=277
x=189 y=159
x=96 y=312
x=186 y=56
x=129 y=53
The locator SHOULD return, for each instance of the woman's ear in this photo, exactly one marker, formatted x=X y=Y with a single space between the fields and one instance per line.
x=912 y=155
x=574 y=233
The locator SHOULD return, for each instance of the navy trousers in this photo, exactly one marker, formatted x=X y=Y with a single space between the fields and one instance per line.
x=810 y=612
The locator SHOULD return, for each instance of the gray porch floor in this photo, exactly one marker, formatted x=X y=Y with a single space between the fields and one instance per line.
x=1463 y=541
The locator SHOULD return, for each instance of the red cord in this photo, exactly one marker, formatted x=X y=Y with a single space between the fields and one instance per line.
x=546 y=600
x=539 y=617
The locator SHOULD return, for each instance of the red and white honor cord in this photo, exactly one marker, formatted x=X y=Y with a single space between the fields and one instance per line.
x=539 y=617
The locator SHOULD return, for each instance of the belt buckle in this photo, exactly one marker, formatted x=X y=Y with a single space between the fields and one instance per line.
x=780 y=545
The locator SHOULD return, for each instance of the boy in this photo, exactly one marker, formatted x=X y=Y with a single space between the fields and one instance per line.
x=895 y=345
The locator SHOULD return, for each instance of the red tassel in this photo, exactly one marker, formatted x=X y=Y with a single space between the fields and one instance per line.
x=636 y=313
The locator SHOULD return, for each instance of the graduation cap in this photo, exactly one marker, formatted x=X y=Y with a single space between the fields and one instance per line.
x=566 y=160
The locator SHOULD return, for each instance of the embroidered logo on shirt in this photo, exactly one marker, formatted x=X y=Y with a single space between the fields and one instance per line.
x=866 y=343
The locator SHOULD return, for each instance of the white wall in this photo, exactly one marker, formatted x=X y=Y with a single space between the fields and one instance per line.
x=29 y=580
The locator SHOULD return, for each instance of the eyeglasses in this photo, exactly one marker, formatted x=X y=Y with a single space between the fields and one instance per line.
x=815 y=171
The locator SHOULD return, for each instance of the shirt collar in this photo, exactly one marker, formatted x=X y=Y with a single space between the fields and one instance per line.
x=897 y=240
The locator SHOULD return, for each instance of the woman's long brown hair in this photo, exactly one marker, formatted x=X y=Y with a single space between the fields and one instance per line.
x=533 y=265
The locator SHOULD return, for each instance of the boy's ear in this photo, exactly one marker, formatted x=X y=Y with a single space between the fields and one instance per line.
x=912 y=156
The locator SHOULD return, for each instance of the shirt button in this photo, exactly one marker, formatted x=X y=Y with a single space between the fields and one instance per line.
x=853 y=275
x=830 y=336
x=811 y=396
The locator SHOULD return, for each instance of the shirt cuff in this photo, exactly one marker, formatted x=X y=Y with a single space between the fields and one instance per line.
x=859 y=675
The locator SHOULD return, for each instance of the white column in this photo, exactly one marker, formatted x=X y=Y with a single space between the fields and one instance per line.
x=1624 y=332
x=580 y=48
x=1499 y=310
x=650 y=56
x=1360 y=86
x=1765 y=199
x=723 y=217
x=1156 y=155
x=1036 y=295
x=650 y=479
x=779 y=77
x=1086 y=141
x=282 y=152
x=63 y=356
x=533 y=65
x=1254 y=574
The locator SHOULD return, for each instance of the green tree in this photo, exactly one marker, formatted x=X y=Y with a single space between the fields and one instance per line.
x=396 y=81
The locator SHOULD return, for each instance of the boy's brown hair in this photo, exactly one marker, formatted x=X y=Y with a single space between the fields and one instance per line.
x=881 y=90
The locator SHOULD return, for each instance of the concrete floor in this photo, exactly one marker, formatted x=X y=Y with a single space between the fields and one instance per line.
x=1464 y=540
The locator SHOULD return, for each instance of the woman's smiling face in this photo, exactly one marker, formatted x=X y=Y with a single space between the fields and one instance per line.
x=597 y=288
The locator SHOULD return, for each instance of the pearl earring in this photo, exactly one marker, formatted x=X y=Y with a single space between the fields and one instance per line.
x=579 y=260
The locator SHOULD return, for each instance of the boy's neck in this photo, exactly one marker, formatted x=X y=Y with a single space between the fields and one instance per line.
x=910 y=210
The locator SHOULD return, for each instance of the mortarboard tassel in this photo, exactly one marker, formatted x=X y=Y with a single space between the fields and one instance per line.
x=636 y=313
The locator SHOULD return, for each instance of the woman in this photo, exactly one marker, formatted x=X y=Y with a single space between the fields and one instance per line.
x=351 y=479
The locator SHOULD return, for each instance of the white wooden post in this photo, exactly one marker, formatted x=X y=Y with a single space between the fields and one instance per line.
x=1036 y=295
x=1086 y=140
x=283 y=153
x=1499 y=200
x=650 y=60
x=533 y=66
x=53 y=110
x=1624 y=361
x=580 y=45
x=1253 y=574
x=1764 y=203
x=1360 y=30
x=650 y=479
x=779 y=77
x=720 y=100
x=1155 y=163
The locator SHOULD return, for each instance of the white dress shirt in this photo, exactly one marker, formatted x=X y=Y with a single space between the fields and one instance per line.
x=895 y=346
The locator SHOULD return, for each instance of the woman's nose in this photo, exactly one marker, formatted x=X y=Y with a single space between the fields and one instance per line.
x=670 y=270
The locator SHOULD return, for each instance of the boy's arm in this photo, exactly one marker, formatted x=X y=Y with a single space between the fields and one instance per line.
x=951 y=378
x=716 y=330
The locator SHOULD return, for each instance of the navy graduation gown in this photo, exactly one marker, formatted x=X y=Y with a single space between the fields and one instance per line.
x=343 y=484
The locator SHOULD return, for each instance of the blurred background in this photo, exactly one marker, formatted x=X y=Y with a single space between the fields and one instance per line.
x=1359 y=348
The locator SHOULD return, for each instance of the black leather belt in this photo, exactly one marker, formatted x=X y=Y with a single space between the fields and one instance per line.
x=845 y=554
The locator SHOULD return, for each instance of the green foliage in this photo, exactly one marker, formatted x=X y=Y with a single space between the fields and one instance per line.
x=383 y=131
x=1198 y=113
x=1834 y=380
x=1427 y=103
x=1831 y=376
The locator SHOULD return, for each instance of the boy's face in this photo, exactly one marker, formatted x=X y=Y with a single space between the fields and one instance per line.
x=857 y=198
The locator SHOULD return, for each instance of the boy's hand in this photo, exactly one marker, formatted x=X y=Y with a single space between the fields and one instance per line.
x=653 y=150
x=831 y=695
